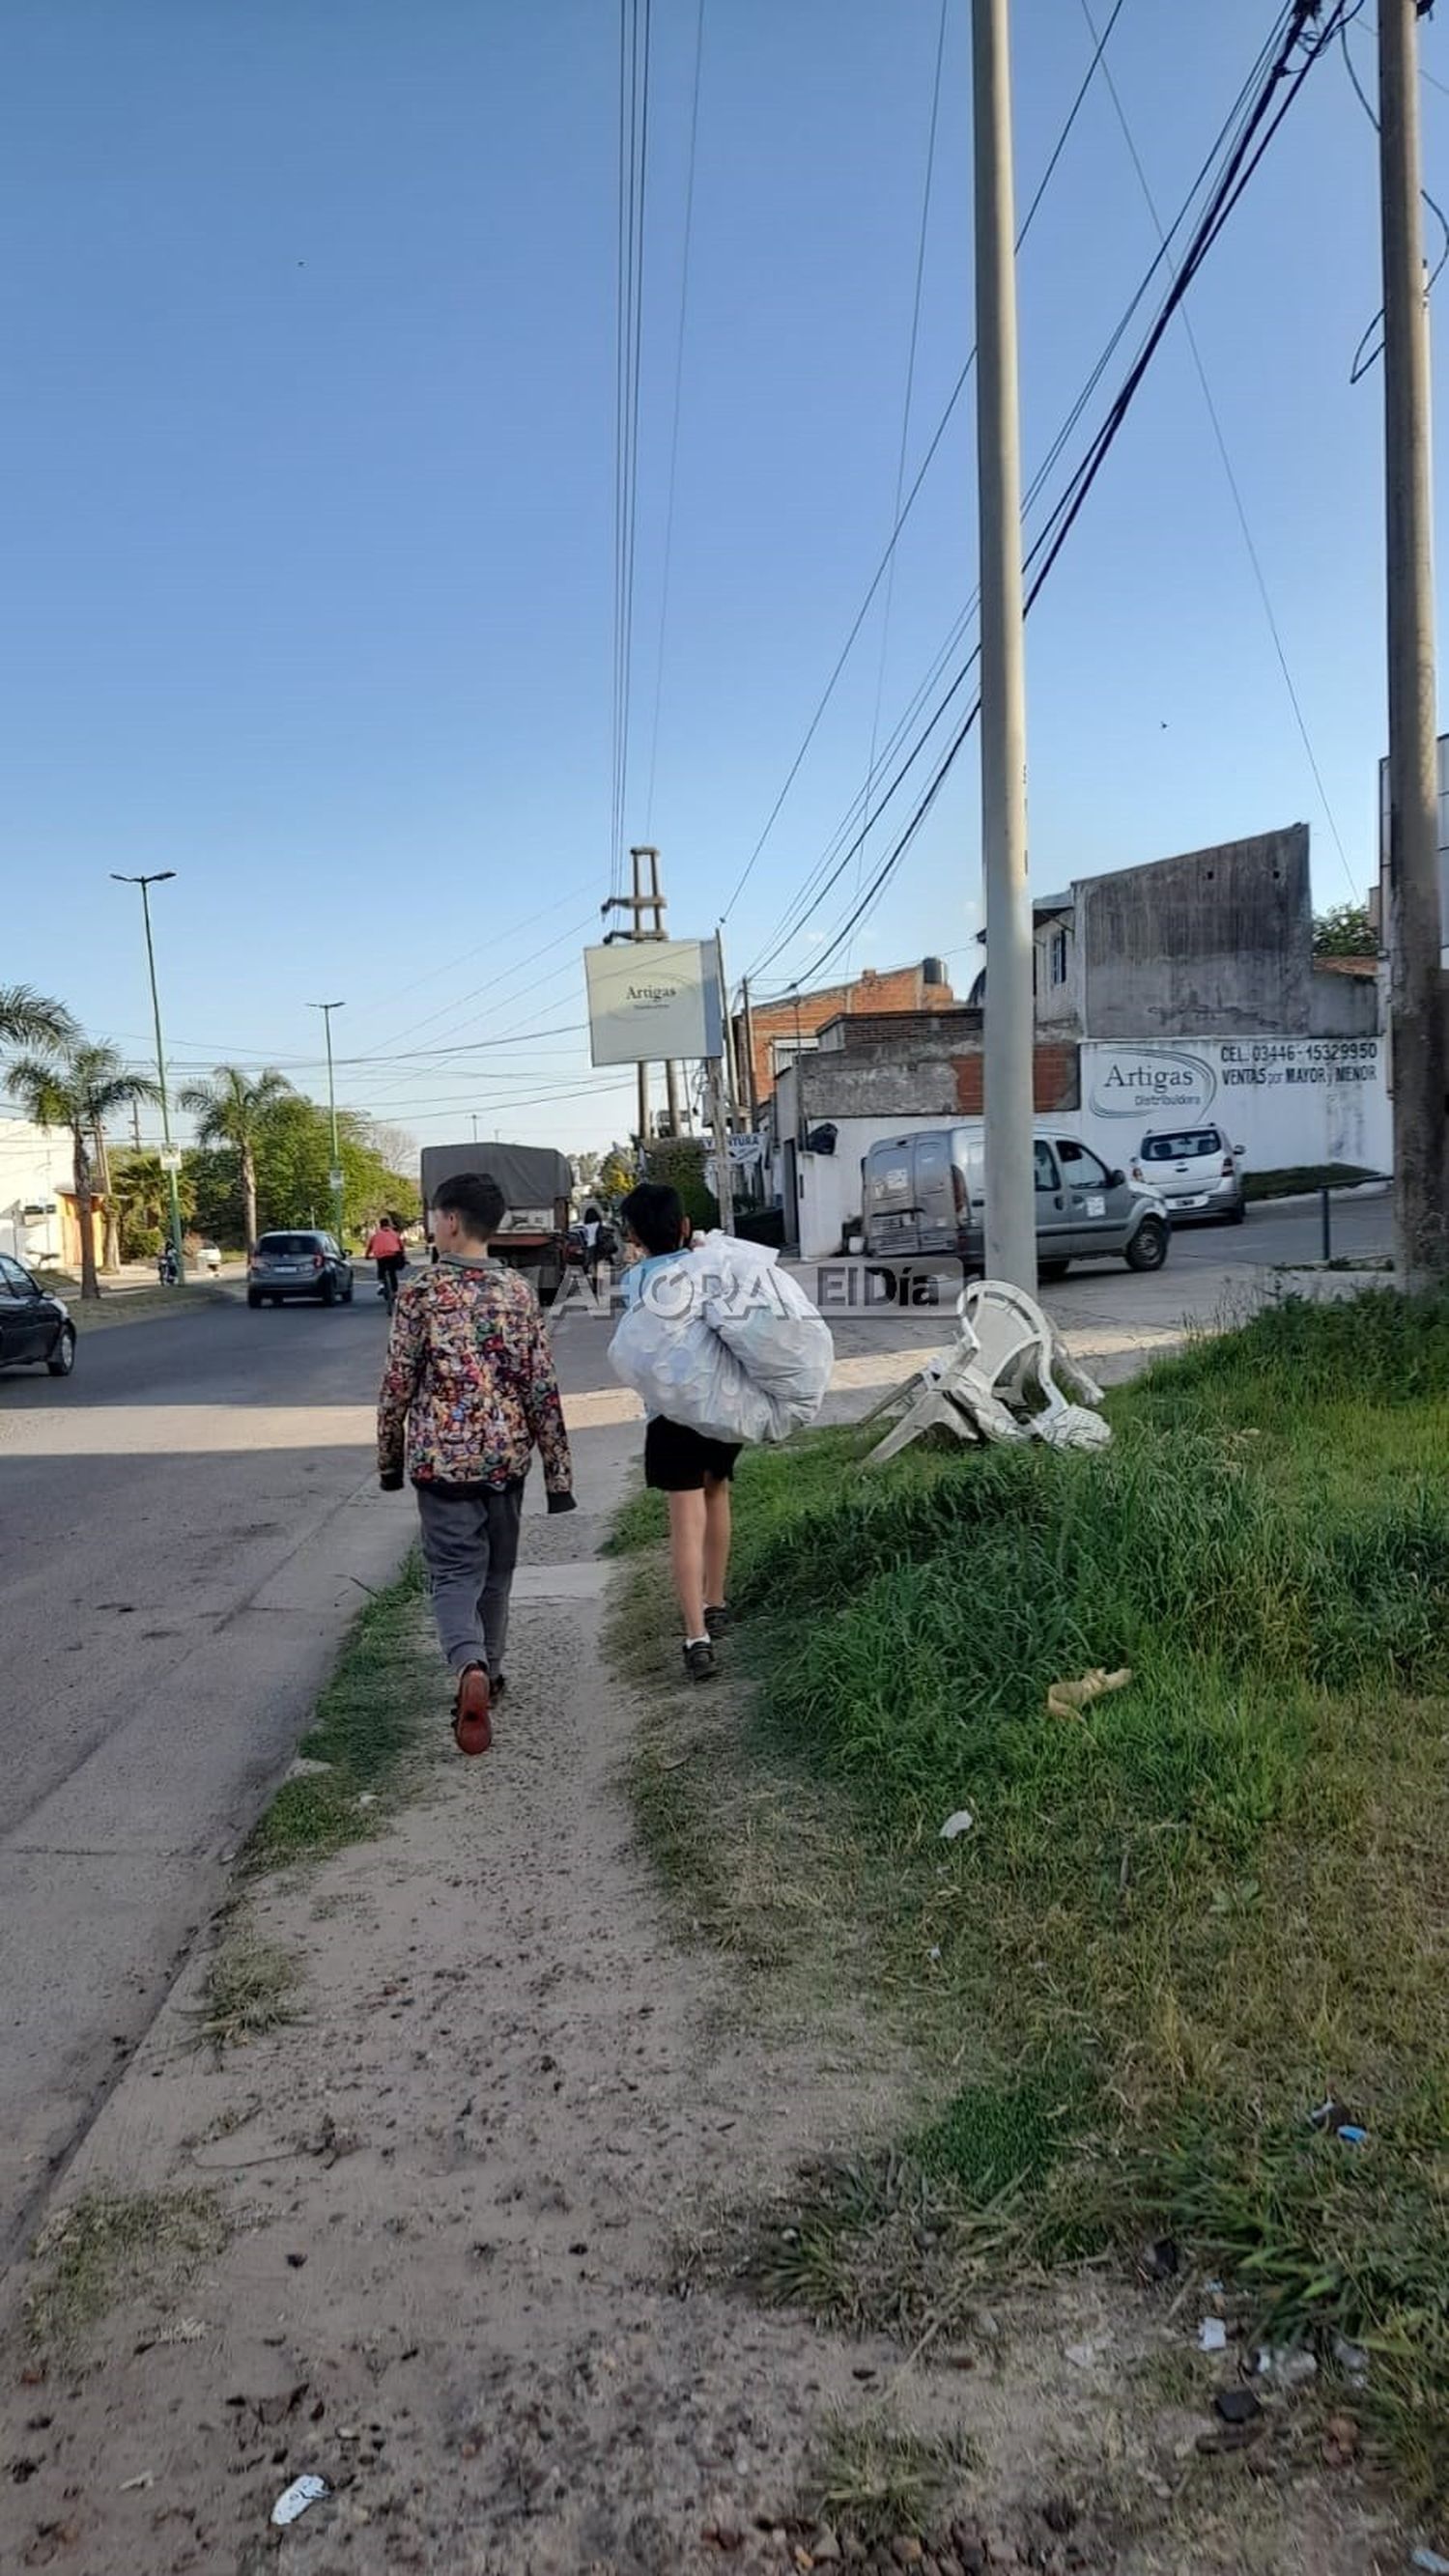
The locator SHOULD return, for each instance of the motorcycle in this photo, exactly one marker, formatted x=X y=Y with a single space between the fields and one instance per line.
x=166 y=1270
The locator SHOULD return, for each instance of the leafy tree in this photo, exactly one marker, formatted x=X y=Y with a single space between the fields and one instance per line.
x=293 y=1155
x=232 y=1110
x=616 y=1175
x=27 y=1019
x=141 y=1193
x=1345 y=931
x=680 y=1161
x=78 y=1087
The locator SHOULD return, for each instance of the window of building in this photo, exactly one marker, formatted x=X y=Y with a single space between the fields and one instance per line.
x=1059 y=957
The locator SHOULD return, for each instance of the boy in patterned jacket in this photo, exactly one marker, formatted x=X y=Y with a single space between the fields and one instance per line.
x=468 y=1393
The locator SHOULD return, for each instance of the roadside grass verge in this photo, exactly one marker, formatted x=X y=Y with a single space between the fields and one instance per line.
x=366 y=1723
x=1297 y=1178
x=1182 y=1921
x=108 y=2244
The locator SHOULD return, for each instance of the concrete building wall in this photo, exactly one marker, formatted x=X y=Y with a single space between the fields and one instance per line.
x=901 y=988
x=35 y=1168
x=1218 y=942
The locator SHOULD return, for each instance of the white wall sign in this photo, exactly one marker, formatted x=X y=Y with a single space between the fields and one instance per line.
x=1137 y=1082
x=653 y=998
x=1286 y=1101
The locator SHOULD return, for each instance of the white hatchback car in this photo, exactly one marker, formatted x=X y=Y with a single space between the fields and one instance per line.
x=1196 y=1171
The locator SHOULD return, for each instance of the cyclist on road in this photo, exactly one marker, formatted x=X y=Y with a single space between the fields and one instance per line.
x=385 y=1246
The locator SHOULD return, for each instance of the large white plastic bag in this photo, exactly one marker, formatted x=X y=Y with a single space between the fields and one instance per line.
x=763 y=1315
x=699 y=1371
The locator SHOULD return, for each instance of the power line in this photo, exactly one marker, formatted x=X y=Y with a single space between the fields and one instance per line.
x=1258 y=122
x=940 y=431
x=1260 y=70
x=1364 y=357
x=885 y=626
x=460 y=1001
x=1219 y=435
x=674 y=431
x=634 y=38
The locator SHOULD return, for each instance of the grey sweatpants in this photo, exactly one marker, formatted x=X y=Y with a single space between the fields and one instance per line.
x=470 y=1548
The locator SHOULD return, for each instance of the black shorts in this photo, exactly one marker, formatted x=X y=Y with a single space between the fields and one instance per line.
x=677 y=1460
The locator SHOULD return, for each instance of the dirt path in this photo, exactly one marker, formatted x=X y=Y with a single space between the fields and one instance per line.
x=455 y=2192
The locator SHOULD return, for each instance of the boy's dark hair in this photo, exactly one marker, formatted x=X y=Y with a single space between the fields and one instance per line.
x=654 y=1215
x=593 y=1215
x=476 y=1198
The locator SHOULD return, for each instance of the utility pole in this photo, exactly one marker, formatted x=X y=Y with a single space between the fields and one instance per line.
x=335 y=1176
x=1421 y=1243
x=648 y=900
x=170 y=1154
x=751 y=1097
x=722 y=1099
x=1009 y=1104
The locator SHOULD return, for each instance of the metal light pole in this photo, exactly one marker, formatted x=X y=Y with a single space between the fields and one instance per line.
x=335 y=1175
x=170 y=1153
x=1009 y=1103
x=1421 y=1244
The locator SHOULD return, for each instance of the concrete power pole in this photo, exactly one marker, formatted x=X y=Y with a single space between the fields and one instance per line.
x=1010 y=1176
x=1421 y=1247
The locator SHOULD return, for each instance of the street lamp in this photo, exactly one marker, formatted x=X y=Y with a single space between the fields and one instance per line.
x=170 y=1154
x=335 y=1175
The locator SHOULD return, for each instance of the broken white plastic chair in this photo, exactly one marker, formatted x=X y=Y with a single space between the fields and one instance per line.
x=998 y=1381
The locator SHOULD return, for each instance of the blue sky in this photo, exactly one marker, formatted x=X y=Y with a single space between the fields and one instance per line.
x=307 y=473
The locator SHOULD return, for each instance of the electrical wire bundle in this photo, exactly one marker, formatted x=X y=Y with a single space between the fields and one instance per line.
x=1302 y=32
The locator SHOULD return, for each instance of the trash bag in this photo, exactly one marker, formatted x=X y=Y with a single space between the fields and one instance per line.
x=727 y=1343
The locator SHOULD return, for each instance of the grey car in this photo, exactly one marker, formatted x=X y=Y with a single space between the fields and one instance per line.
x=301 y=1263
x=927 y=1193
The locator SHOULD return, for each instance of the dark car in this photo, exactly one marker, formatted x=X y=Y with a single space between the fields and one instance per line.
x=300 y=1264
x=34 y=1327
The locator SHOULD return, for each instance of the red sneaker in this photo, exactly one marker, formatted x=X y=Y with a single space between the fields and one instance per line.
x=472 y=1726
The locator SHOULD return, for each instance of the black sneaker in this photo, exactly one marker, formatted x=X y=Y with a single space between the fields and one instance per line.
x=497 y=1686
x=699 y=1662
x=717 y=1620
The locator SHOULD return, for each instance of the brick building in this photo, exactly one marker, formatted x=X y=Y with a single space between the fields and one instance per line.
x=782 y=1028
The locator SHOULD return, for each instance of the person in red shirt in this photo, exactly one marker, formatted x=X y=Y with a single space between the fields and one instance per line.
x=385 y=1246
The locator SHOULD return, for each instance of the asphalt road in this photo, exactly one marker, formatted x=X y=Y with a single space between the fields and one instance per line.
x=183 y=1522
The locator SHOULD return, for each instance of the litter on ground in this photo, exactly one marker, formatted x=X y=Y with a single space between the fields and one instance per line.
x=293 y=2503
x=1068 y=1699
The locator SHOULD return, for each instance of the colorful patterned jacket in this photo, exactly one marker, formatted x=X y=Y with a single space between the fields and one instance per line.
x=469 y=1387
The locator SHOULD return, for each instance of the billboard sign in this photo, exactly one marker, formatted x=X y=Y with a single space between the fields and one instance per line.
x=650 y=999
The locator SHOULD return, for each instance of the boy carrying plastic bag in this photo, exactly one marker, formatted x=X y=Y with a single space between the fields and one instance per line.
x=723 y=1347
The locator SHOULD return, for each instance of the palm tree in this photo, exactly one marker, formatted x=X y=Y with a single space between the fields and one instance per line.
x=141 y=1194
x=232 y=1109
x=27 y=1019
x=78 y=1087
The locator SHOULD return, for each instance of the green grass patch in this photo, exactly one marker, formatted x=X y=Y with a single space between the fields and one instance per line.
x=1182 y=1920
x=1296 y=1178
x=368 y=1718
x=107 y=2245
